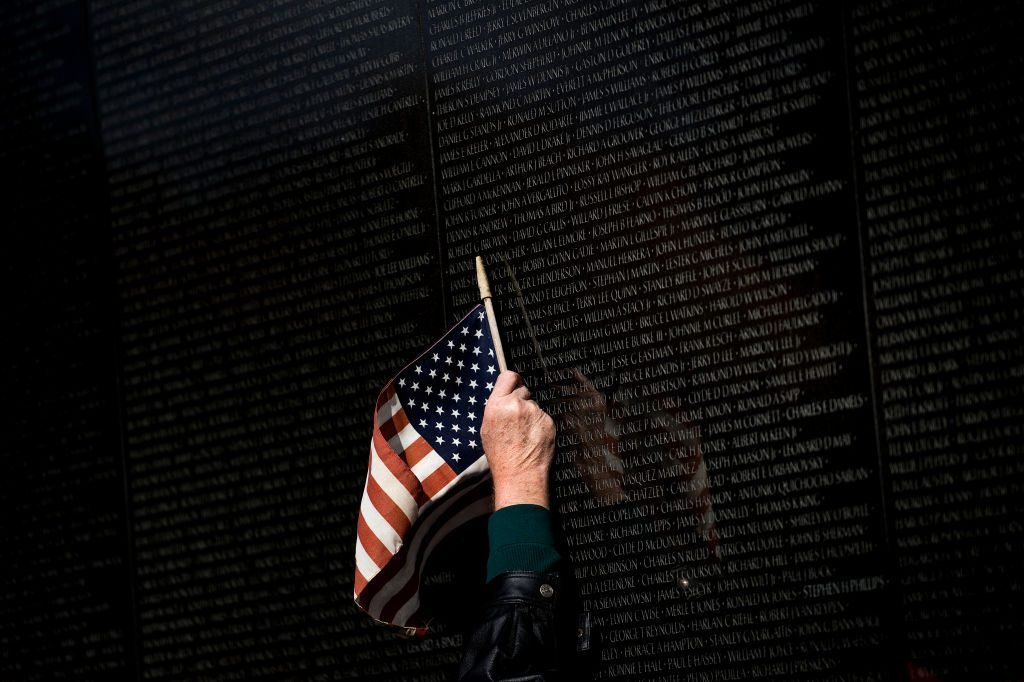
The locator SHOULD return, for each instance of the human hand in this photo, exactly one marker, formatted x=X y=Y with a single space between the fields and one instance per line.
x=519 y=440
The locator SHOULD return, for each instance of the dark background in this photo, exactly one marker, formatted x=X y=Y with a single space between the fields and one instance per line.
x=762 y=261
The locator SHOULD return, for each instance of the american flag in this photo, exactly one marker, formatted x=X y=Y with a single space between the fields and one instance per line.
x=427 y=474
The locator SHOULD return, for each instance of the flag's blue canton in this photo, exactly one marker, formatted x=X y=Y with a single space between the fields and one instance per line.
x=443 y=392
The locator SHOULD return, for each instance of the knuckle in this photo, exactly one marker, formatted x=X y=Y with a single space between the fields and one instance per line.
x=548 y=424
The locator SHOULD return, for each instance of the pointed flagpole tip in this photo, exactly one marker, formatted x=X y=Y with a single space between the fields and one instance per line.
x=481 y=279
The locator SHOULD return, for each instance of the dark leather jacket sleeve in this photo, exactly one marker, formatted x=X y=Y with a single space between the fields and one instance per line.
x=515 y=637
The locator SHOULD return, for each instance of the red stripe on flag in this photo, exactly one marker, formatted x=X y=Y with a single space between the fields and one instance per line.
x=400 y=420
x=391 y=512
x=417 y=451
x=398 y=467
x=441 y=477
x=387 y=428
x=377 y=550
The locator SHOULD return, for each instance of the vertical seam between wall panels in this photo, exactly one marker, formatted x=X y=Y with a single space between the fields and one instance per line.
x=891 y=610
x=862 y=245
x=442 y=260
x=134 y=634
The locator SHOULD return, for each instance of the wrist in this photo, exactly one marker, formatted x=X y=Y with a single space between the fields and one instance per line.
x=534 y=491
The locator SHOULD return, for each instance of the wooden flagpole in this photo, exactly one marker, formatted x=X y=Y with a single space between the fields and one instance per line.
x=485 y=296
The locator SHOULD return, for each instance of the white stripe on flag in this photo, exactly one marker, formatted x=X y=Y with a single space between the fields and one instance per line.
x=404 y=438
x=379 y=526
x=388 y=409
x=391 y=485
x=364 y=563
x=430 y=463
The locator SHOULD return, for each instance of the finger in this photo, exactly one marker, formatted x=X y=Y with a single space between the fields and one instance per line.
x=522 y=392
x=507 y=382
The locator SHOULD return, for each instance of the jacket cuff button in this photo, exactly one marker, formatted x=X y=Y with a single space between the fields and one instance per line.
x=547 y=591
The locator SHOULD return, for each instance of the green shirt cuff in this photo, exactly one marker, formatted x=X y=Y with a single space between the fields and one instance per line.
x=521 y=539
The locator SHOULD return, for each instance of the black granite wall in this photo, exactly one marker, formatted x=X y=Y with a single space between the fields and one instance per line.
x=66 y=590
x=762 y=260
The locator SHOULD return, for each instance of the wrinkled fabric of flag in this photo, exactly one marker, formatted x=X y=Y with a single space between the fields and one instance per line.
x=427 y=473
